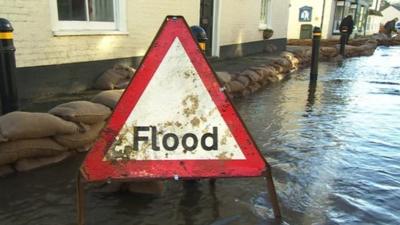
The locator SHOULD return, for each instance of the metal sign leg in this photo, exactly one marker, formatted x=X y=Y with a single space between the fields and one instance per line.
x=272 y=194
x=80 y=200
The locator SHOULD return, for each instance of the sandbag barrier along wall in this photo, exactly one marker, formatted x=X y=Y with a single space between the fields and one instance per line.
x=253 y=78
x=380 y=38
x=32 y=140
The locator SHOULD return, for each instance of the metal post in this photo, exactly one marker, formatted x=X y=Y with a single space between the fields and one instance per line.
x=315 y=53
x=272 y=194
x=8 y=85
x=343 y=41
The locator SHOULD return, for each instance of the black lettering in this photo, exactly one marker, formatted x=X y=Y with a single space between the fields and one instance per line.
x=165 y=141
x=214 y=138
x=137 y=138
x=154 y=139
x=185 y=144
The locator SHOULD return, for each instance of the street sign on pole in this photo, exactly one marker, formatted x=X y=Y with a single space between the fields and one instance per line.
x=174 y=121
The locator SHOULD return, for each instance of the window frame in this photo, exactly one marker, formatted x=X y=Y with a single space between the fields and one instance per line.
x=265 y=23
x=62 y=28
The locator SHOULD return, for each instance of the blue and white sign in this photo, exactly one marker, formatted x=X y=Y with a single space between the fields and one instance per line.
x=305 y=14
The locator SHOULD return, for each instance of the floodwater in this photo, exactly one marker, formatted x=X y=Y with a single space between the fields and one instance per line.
x=334 y=152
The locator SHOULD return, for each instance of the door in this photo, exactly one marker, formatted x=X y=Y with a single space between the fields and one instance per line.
x=306 y=31
x=206 y=22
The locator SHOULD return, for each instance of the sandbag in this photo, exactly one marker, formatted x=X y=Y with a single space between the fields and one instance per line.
x=124 y=70
x=246 y=92
x=25 y=125
x=224 y=77
x=14 y=150
x=234 y=86
x=82 y=112
x=122 y=84
x=287 y=55
x=285 y=63
x=33 y=163
x=260 y=70
x=80 y=140
x=254 y=87
x=253 y=75
x=109 y=79
x=269 y=71
x=328 y=52
x=278 y=68
x=245 y=80
x=6 y=170
x=108 y=98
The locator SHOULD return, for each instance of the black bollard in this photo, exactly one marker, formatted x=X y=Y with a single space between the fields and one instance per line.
x=315 y=54
x=200 y=36
x=8 y=85
x=343 y=41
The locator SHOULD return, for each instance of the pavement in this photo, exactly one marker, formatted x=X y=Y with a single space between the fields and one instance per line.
x=239 y=64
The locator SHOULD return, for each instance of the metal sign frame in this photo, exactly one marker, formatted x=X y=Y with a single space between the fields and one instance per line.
x=95 y=169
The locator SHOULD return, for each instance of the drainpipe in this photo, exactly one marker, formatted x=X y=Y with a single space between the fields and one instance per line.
x=366 y=20
x=323 y=13
x=356 y=16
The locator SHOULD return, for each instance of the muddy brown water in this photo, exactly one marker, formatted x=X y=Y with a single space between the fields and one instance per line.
x=335 y=156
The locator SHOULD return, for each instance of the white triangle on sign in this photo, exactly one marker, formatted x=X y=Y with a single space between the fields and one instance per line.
x=175 y=102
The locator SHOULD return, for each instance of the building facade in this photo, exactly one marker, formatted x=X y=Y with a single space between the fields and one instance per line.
x=328 y=14
x=390 y=13
x=71 y=42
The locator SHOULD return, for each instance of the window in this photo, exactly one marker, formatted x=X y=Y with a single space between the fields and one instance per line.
x=88 y=16
x=342 y=10
x=265 y=15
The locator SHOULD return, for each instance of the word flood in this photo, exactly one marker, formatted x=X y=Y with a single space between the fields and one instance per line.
x=171 y=142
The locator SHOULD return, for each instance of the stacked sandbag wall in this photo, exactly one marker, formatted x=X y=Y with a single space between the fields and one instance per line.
x=31 y=140
x=253 y=78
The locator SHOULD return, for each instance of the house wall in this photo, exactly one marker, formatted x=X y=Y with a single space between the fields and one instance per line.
x=239 y=26
x=373 y=24
x=327 y=30
x=37 y=46
x=389 y=14
x=317 y=8
x=240 y=20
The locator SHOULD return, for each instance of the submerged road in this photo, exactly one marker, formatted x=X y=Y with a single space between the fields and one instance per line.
x=334 y=152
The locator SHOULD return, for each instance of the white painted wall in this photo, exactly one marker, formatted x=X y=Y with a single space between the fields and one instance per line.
x=389 y=14
x=373 y=24
x=280 y=18
x=239 y=20
x=36 y=45
x=295 y=25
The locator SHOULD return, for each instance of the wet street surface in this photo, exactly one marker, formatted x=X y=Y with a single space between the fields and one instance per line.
x=334 y=152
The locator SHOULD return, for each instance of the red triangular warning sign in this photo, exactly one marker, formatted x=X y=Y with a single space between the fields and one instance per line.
x=173 y=120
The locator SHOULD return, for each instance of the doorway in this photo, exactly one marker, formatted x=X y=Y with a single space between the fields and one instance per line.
x=306 y=31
